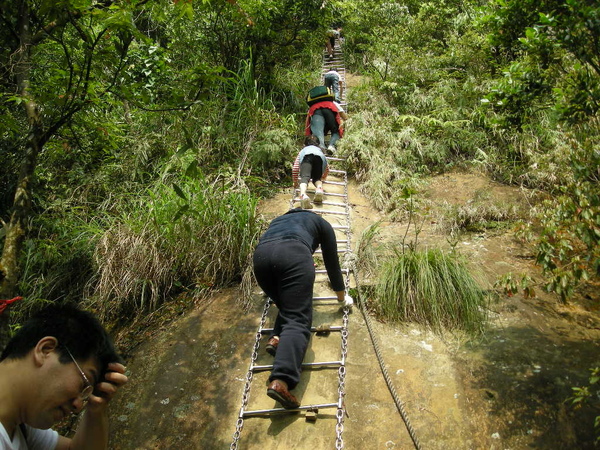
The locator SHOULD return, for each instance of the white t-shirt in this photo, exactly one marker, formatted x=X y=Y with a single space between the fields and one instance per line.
x=36 y=439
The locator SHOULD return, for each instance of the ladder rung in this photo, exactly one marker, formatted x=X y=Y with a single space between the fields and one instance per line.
x=340 y=227
x=336 y=204
x=338 y=241
x=261 y=367
x=335 y=183
x=262 y=412
x=335 y=194
x=312 y=329
x=336 y=158
x=328 y=303
x=337 y=171
x=312 y=191
x=325 y=271
x=341 y=205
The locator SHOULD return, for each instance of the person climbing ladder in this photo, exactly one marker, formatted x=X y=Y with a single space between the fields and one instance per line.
x=310 y=164
x=284 y=269
x=331 y=35
x=326 y=117
x=333 y=81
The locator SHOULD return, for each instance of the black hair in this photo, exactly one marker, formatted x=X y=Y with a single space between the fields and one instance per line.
x=78 y=330
x=311 y=140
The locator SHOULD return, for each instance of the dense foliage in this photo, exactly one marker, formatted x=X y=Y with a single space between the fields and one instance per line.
x=120 y=109
x=118 y=112
x=506 y=86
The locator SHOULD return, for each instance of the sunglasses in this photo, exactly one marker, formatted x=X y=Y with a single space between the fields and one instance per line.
x=88 y=388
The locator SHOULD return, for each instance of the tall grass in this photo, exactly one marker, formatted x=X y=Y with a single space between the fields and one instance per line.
x=366 y=250
x=432 y=288
x=390 y=152
x=193 y=235
x=56 y=262
x=482 y=212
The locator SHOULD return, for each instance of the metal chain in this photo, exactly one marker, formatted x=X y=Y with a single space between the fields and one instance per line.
x=249 y=376
x=339 y=427
x=341 y=410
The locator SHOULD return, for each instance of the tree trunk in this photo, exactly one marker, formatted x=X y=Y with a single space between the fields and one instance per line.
x=15 y=229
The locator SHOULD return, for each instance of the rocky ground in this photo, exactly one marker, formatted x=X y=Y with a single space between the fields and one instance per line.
x=507 y=390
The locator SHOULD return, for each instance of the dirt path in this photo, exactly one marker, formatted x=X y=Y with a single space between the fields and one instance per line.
x=505 y=391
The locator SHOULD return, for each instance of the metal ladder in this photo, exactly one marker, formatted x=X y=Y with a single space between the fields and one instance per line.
x=335 y=209
x=336 y=63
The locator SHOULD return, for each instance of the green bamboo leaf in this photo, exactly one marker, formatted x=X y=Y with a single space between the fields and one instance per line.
x=179 y=192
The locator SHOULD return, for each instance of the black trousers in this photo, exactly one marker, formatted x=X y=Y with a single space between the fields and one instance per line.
x=331 y=125
x=285 y=270
x=311 y=168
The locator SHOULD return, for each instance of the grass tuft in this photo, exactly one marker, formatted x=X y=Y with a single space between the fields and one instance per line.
x=432 y=288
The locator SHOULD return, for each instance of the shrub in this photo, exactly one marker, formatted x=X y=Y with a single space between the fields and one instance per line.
x=193 y=235
x=589 y=396
x=569 y=245
x=432 y=288
x=57 y=263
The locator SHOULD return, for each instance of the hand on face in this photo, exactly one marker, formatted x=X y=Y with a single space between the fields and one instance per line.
x=105 y=390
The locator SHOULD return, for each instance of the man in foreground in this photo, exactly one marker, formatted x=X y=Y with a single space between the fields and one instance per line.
x=60 y=362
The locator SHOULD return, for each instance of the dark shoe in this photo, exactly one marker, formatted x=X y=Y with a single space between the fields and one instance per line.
x=271 y=347
x=278 y=392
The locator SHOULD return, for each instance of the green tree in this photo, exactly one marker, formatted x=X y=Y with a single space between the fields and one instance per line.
x=59 y=58
x=552 y=49
x=569 y=246
x=108 y=92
